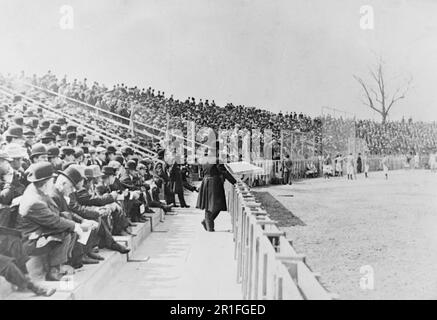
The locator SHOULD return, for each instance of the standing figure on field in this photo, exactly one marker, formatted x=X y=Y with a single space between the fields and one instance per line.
x=416 y=161
x=339 y=165
x=384 y=163
x=350 y=164
x=366 y=166
x=432 y=162
x=359 y=164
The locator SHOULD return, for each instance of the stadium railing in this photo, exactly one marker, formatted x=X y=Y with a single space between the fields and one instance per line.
x=79 y=122
x=268 y=267
x=151 y=132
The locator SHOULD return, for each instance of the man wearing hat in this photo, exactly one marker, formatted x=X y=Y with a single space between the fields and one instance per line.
x=127 y=153
x=18 y=155
x=18 y=120
x=6 y=189
x=44 y=230
x=12 y=256
x=44 y=125
x=67 y=182
x=71 y=139
x=48 y=138
x=93 y=206
x=67 y=155
x=110 y=153
x=161 y=171
x=38 y=153
x=79 y=155
x=14 y=135
x=61 y=121
x=29 y=137
x=55 y=129
x=71 y=128
x=98 y=157
x=53 y=157
x=129 y=180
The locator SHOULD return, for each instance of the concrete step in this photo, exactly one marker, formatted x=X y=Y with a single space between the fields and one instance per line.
x=88 y=280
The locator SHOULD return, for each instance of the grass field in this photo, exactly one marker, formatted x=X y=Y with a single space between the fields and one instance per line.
x=341 y=226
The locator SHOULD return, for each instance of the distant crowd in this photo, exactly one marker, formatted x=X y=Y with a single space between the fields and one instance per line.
x=152 y=107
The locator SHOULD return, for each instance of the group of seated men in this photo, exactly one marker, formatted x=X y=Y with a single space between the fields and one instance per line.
x=64 y=195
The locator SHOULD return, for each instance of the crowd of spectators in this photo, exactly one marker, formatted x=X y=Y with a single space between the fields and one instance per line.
x=65 y=191
x=331 y=134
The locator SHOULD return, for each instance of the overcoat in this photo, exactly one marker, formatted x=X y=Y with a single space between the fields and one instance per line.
x=39 y=215
x=211 y=192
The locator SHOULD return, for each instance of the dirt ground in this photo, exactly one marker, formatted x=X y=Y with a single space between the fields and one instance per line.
x=389 y=225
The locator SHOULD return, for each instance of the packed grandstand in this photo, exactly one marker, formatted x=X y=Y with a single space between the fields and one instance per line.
x=157 y=110
x=83 y=133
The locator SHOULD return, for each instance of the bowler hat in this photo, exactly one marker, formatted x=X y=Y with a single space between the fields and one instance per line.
x=15 y=132
x=73 y=173
x=71 y=135
x=67 y=151
x=79 y=138
x=40 y=171
x=37 y=150
x=108 y=171
x=61 y=121
x=18 y=120
x=44 y=124
x=127 y=150
x=93 y=171
x=52 y=152
x=111 y=149
x=55 y=128
x=47 y=137
x=71 y=128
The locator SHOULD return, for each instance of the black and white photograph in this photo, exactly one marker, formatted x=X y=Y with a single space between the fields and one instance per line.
x=232 y=151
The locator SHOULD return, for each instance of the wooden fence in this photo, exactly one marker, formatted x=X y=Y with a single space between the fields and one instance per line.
x=267 y=265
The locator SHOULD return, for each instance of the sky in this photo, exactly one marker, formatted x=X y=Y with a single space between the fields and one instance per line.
x=282 y=55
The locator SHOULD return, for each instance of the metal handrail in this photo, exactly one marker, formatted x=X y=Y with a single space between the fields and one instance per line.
x=143 y=151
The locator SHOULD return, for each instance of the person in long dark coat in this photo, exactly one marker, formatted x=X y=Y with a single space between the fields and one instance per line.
x=359 y=164
x=212 y=193
x=177 y=185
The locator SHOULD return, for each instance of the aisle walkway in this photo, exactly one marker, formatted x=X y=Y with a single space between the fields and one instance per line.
x=186 y=262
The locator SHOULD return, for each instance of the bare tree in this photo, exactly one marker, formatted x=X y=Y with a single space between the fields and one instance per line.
x=376 y=95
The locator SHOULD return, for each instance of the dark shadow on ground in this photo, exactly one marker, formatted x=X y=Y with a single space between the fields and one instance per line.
x=276 y=210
